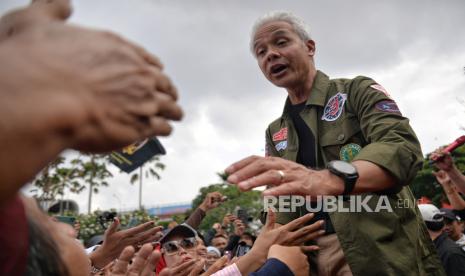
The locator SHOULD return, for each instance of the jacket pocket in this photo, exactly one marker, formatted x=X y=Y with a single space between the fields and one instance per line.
x=341 y=141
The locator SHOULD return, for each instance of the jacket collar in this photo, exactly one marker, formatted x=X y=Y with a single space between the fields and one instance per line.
x=317 y=95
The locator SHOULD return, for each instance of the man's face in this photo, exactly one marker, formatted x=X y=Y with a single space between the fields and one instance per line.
x=211 y=258
x=453 y=229
x=283 y=57
x=201 y=249
x=182 y=250
x=220 y=243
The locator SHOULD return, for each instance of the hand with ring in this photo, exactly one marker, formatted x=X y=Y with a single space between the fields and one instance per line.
x=282 y=177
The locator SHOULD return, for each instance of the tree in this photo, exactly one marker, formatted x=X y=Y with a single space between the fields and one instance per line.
x=250 y=201
x=52 y=181
x=146 y=171
x=425 y=183
x=93 y=172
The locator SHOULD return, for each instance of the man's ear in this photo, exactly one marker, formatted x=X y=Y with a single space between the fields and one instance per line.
x=311 y=47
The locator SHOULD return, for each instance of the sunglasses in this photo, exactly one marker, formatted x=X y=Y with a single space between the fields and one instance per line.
x=172 y=247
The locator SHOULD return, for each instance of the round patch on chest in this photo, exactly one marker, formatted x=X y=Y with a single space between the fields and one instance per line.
x=349 y=151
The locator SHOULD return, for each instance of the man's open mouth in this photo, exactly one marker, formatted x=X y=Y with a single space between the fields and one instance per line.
x=278 y=69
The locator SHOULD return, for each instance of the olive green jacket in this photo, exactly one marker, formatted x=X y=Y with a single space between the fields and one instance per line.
x=353 y=119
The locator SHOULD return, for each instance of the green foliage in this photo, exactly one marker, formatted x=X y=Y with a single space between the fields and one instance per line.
x=250 y=201
x=149 y=170
x=53 y=180
x=91 y=227
x=425 y=183
x=81 y=172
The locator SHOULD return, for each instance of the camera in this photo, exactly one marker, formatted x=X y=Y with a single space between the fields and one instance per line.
x=106 y=217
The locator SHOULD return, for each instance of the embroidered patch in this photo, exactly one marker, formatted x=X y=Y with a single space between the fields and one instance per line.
x=388 y=106
x=280 y=135
x=334 y=107
x=281 y=145
x=380 y=88
x=349 y=151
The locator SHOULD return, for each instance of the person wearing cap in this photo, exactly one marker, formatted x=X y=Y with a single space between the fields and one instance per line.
x=453 y=227
x=213 y=254
x=338 y=137
x=451 y=255
x=178 y=247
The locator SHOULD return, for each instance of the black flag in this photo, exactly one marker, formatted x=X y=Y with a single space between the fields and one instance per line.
x=133 y=156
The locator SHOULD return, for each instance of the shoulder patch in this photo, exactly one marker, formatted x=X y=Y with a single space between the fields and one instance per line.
x=281 y=145
x=387 y=106
x=380 y=88
x=334 y=107
x=280 y=135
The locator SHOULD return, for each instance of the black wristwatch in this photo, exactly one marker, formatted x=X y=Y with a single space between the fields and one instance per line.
x=346 y=171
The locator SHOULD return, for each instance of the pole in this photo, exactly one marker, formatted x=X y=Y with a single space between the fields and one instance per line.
x=140 y=188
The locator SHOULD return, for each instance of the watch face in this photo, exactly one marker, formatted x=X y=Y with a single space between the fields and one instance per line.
x=344 y=167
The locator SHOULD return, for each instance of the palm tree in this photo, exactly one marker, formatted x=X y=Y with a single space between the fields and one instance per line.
x=146 y=171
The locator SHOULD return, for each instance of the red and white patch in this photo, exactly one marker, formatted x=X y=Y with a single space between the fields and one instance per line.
x=380 y=88
x=280 y=135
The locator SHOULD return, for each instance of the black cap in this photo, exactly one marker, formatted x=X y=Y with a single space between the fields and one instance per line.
x=179 y=230
x=449 y=214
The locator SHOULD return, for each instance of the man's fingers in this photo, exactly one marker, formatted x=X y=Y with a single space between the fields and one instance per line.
x=113 y=227
x=163 y=83
x=183 y=268
x=120 y=266
x=53 y=9
x=167 y=107
x=233 y=168
x=158 y=126
x=216 y=266
x=138 y=229
x=151 y=263
x=285 y=188
x=147 y=236
x=300 y=237
x=297 y=223
x=270 y=177
x=270 y=219
x=197 y=268
x=309 y=248
x=140 y=260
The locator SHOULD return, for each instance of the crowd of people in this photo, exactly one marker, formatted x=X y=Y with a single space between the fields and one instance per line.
x=69 y=87
x=446 y=225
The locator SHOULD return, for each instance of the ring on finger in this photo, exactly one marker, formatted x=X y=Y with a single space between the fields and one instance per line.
x=281 y=176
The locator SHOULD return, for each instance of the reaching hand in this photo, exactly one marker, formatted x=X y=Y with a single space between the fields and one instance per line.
x=228 y=219
x=181 y=269
x=143 y=263
x=211 y=201
x=108 y=93
x=115 y=241
x=443 y=178
x=216 y=266
x=295 y=233
x=239 y=227
x=288 y=177
x=443 y=160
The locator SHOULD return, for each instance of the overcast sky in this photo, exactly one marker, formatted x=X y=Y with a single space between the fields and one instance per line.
x=415 y=49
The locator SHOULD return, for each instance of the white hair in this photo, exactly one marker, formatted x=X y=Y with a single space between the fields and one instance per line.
x=299 y=26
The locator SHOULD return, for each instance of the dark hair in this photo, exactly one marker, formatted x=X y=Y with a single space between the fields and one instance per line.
x=434 y=226
x=220 y=236
x=201 y=237
x=250 y=236
x=43 y=256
